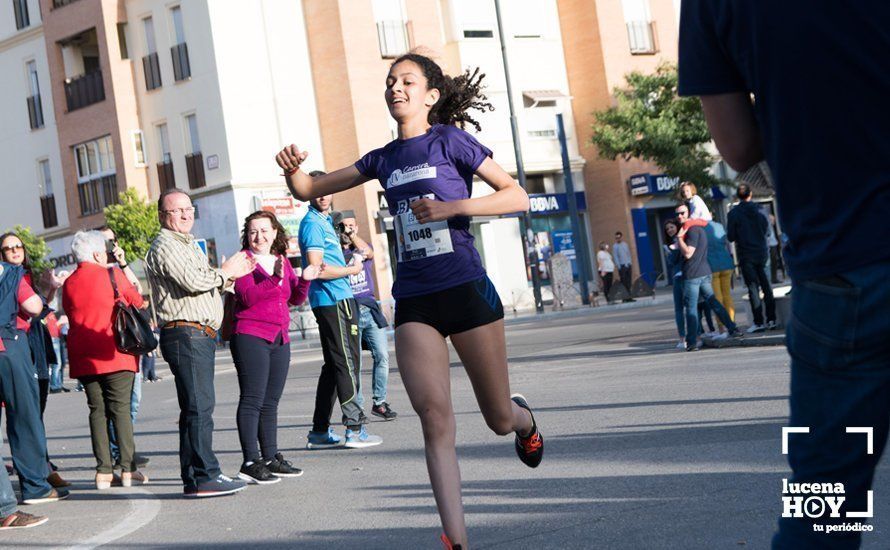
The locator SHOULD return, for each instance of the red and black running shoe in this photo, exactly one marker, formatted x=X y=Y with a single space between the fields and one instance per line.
x=447 y=544
x=530 y=449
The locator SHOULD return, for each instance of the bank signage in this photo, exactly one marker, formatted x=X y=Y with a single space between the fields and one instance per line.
x=554 y=203
x=652 y=184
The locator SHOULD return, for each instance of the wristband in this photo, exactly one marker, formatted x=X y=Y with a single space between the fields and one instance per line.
x=124 y=266
x=290 y=172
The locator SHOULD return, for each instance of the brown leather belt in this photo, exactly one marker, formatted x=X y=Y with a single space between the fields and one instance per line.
x=209 y=331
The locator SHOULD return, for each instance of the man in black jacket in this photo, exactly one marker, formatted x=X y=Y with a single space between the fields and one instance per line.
x=747 y=227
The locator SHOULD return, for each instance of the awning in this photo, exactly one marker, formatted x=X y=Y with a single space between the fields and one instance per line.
x=536 y=96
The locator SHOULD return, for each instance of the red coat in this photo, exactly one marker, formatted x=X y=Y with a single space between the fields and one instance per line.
x=88 y=300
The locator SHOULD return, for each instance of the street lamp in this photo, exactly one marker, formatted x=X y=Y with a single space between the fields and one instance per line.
x=528 y=235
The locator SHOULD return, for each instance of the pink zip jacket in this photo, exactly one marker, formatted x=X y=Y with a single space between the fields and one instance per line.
x=262 y=299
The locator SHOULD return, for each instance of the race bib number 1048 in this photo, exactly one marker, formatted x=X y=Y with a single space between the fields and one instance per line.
x=417 y=240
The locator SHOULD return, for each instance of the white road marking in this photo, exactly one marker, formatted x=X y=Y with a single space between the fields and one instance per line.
x=141 y=513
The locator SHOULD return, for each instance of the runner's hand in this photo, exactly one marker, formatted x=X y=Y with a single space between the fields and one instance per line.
x=429 y=210
x=290 y=157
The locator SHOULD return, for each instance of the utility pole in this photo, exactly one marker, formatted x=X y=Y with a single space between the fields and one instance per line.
x=526 y=229
x=580 y=238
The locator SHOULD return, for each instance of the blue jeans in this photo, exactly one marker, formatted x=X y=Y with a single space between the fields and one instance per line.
x=135 y=399
x=8 y=502
x=691 y=290
x=27 y=439
x=375 y=338
x=191 y=355
x=839 y=342
x=679 y=316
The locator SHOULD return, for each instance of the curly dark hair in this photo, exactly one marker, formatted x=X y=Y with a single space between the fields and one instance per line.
x=458 y=95
x=25 y=264
x=279 y=245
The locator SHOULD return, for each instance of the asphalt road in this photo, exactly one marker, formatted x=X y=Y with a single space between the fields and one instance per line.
x=646 y=447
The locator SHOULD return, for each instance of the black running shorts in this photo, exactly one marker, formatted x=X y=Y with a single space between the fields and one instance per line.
x=453 y=310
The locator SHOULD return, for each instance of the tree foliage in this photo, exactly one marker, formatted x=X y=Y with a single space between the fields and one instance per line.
x=651 y=122
x=38 y=250
x=134 y=222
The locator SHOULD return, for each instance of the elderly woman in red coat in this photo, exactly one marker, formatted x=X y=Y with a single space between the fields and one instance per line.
x=107 y=375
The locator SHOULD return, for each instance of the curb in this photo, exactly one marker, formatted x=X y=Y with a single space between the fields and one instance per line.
x=750 y=342
x=585 y=310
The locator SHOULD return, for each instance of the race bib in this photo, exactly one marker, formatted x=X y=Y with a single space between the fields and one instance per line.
x=417 y=240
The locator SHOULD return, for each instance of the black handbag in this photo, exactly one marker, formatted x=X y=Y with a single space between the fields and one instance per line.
x=132 y=331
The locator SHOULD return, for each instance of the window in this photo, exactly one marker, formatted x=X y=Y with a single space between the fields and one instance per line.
x=122 y=40
x=164 y=143
x=194 y=162
x=392 y=31
x=96 y=176
x=640 y=28
x=35 y=107
x=478 y=34
x=179 y=31
x=182 y=68
x=47 y=199
x=151 y=67
x=20 y=7
x=166 y=178
x=139 y=148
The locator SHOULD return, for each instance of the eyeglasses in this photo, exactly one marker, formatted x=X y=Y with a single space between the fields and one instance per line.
x=12 y=247
x=180 y=211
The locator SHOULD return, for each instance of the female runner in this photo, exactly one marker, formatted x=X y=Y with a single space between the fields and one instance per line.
x=441 y=288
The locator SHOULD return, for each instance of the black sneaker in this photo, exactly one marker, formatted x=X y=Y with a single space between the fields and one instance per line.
x=383 y=411
x=258 y=473
x=282 y=468
x=692 y=348
x=217 y=487
x=531 y=448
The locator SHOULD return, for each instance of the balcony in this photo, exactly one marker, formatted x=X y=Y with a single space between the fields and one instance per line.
x=48 y=208
x=194 y=166
x=641 y=35
x=165 y=175
x=152 y=70
x=96 y=194
x=85 y=90
x=392 y=36
x=35 y=112
x=181 y=67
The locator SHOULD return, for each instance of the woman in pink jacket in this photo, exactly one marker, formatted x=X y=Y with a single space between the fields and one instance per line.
x=261 y=347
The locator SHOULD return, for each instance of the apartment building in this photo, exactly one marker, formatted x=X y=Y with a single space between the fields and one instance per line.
x=199 y=94
x=604 y=40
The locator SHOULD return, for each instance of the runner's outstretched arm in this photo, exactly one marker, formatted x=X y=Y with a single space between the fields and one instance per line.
x=304 y=187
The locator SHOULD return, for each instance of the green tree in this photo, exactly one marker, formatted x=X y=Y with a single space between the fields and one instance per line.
x=38 y=251
x=651 y=122
x=134 y=222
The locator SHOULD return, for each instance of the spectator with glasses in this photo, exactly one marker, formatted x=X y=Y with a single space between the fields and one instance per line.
x=189 y=310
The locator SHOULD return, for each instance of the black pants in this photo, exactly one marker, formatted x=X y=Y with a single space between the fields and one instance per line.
x=338 y=329
x=607 y=284
x=756 y=279
x=43 y=387
x=191 y=354
x=626 y=273
x=262 y=372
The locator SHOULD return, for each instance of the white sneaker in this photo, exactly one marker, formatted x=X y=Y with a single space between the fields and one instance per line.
x=772 y=325
x=681 y=345
x=720 y=336
x=755 y=328
x=361 y=439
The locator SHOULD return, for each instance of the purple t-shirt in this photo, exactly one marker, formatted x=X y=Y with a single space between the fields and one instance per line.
x=440 y=162
x=362 y=283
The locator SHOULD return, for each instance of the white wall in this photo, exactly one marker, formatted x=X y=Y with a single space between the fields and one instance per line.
x=7 y=19
x=265 y=82
x=20 y=146
x=173 y=100
x=535 y=64
x=504 y=262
